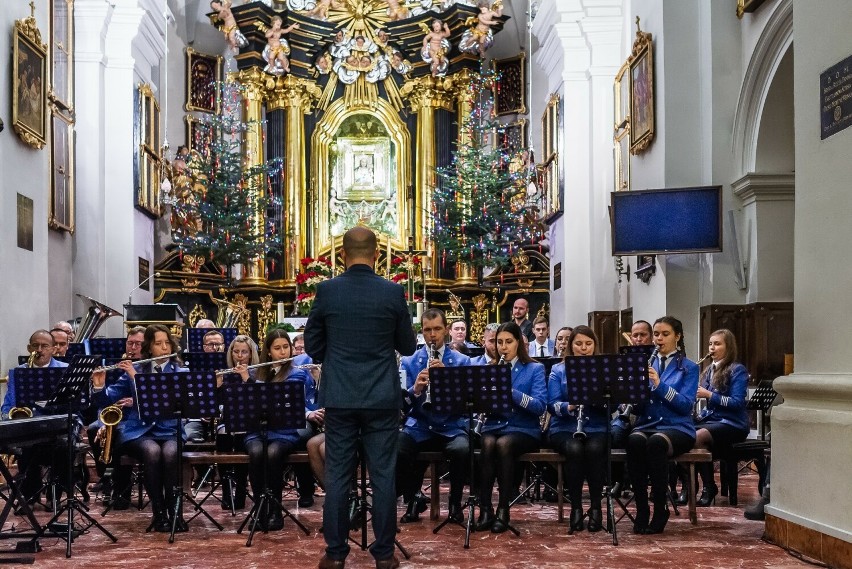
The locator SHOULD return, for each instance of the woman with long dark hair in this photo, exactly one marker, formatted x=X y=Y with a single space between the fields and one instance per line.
x=585 y=456
x=152 y=443
x=664 y=427
x=276 y=346
x=504 y=439
x=725 y=420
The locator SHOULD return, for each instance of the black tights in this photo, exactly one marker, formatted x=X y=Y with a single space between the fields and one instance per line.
x=497 y=459
x=276 y=455
x=161 y=466
x=648 y=453
x=584 y=459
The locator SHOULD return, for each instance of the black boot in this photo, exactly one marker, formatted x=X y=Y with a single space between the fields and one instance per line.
x=708 y=496
x=501 y=524
x=275 y=520
x=160 y=522
x=414 y=508
x=455 y=513
x=595 y=520
x=658 y=522
x=486 y=518
x=576 y=522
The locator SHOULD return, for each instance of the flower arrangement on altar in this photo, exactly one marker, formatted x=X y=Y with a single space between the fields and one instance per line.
x=408 y=272
x=314 y=271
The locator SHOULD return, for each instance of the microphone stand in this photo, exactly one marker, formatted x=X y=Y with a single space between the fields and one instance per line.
x=137 y=287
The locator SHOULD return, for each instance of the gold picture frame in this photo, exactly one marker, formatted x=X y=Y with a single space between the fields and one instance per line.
x=621 y=99
x=621 y=161
x=203 y=72
x=511 y=88
x=147 y=159
x=62 y=178
x=513 y=136
x=29 y=82
x=550 y=128
x=641 y=92
x=61 y=92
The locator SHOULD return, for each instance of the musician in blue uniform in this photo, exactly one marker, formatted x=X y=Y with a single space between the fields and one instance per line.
x=152 y=443
x=41 y=349
x=424 y=429
x=504 y=439
x=584 y=448
x=664 y=427
x=489 y=343
x=724 y=421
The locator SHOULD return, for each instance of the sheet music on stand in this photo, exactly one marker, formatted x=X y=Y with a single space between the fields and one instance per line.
x=163 y=395
x=206 y=361
x=626 y=375
x=646 y=350
x=763 y=397
x=35 y=384
x=548 y=362
x=73 y=388
x=488 y=388
x=106 y=347
x=281 y=404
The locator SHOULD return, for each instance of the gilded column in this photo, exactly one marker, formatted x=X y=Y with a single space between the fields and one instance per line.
x=253 y=80
x=462 y=83
x=296 y=96
x=425 y=95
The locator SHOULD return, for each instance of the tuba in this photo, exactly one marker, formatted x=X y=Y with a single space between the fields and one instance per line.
x=96 y=315
x=229 y=313
x=110 y=416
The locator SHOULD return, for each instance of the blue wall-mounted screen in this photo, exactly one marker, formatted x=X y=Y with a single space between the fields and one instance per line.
x=658 y=222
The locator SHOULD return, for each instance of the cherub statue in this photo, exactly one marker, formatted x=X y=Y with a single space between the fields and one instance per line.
x=479 y=37
x=361 y=52
x=435 y=48
x=323 y=6
x=323 y=63
x=277 y=49
x=230 y=28
x=397 y=11
x=399 y=63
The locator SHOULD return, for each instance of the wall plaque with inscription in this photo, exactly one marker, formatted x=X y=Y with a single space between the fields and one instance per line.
x=836 y=98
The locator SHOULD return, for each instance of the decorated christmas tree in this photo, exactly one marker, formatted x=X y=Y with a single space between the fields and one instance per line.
x=215 y=204
x=479 y=205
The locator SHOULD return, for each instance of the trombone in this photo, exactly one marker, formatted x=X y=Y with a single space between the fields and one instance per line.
x=118 y=365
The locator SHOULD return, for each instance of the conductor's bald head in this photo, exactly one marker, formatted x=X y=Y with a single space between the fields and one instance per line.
x=360 y=246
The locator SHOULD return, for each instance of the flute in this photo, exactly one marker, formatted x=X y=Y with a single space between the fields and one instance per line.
x=264 y=364
x=118 y=365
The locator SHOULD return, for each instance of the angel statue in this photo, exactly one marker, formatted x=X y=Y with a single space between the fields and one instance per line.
x=436 y=46
x=230 y=29
x=397 y=11
x=479 y=36
x=277 y=49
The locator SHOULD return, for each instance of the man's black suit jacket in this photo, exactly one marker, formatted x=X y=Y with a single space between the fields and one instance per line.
x=357 y=321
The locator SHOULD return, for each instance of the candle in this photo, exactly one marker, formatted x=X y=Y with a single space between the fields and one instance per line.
x=419 y=310
x=280 y=311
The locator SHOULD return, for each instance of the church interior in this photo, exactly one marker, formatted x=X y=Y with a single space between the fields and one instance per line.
x=184 y=161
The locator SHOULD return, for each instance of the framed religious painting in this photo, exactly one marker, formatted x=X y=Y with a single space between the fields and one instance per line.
x=550 y=127
x=198 y=134
x=29 y=83
x=513 y=136
x=510 y=88
x=621 y=161
x=61 y=206
x=61 y=91
x=641 y=93
x=147 y=157
x=621 y=99
x=203 y=72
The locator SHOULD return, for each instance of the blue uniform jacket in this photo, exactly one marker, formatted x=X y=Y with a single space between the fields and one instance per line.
x=482 y=360
x=729 y=406
x=421 y=423
x=529 y=394
x=289 y=435
x=9 y=400
x=132 y=426
x=671 y=403
x=562 y=420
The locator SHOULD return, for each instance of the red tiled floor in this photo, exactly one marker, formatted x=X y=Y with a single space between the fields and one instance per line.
x=722 y=539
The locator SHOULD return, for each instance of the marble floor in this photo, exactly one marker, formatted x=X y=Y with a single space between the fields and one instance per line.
x=722 y=539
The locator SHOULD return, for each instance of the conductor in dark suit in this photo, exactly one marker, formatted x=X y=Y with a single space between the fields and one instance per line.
x=357 y=321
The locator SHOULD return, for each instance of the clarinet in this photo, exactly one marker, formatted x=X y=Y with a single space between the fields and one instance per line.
x=482 y=418
x=580 y=433
x=428 y=401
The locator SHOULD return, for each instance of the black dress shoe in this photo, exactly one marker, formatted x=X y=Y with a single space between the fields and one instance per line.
x=683 y=497
x=275 y=521
x=414 y=508
x=576 y=522
x=306 y=501
x=161 y=523
x=327 y=563
x=120 y=503
x=595 y=520
x=486 y=519
x=501 y=524
x=708 y=496
x=640 y=523
x=455 y=514
x=658 y=522
x=390 y=563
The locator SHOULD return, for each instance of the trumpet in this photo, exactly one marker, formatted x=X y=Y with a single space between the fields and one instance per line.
x=264 y=364
x=118 y=365
x=435 y=355
x=482 y=418
x=20 y=413
x=110 y=416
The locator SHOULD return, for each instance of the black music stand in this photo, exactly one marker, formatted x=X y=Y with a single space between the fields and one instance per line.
x=195 y=337
x=70 y=396
x=178 y=395
x=260 y=407
x=598 y=380
x=111 y=348
x=468 y=390
x=206 y=361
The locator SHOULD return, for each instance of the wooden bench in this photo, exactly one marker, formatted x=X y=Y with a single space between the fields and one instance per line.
x=204 y=458
x=690 y=458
